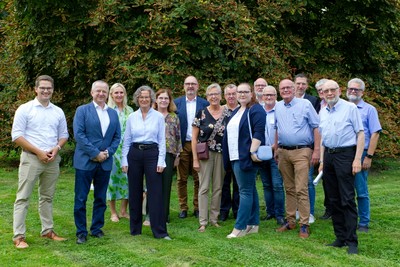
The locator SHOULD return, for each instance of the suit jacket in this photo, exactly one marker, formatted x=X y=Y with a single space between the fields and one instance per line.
x=89 y=138
x=314 y=101
x=257 y=124
x=180 y=103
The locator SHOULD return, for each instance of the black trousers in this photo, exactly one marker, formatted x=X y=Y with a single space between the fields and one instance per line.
x=144 y=163
x=228 y=201
x=341 y=193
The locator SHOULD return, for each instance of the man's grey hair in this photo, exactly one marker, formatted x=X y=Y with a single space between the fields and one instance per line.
x=357 y=81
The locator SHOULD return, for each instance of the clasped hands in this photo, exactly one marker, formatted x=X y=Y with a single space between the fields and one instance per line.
x=102 y=156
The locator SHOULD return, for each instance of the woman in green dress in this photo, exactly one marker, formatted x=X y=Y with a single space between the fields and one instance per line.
x=118 y=186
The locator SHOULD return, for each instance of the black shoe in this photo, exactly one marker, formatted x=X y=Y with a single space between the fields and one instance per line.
x=235 y=215
x=280 y=221
x=268 y=217
x=337 y=244
x=327 y=215
x=81 y=239
x=363 y=229
x=183 y=214
x=196 y=213
x=352 y=250
x=223 y=216
x=98 y=235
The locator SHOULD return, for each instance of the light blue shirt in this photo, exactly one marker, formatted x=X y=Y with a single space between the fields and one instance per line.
x=147 y=131
x=270 y=127
x=340 y=124
x=369 y=117
x=295 y=122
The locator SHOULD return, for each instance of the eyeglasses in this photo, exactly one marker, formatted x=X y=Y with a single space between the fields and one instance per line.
x=190 y=84
x=213 y=94
x=269 y=95
x=260 y=85
x=45 y=88
x=355 y=90
x=319 y=90
x=231 y=94
x=332 y=90
x=243 y=92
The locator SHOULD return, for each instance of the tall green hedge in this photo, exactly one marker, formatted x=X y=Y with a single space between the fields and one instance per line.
x=160 y=42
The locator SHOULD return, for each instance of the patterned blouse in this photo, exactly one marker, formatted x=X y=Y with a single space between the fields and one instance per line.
x=206 y=122
x=173 y=134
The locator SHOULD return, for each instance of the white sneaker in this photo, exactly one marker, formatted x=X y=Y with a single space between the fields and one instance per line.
x=311 y=219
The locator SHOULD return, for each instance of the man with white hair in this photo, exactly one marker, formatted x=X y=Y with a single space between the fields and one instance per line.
x=259 y=86
x=342 y=145
x=372 y=128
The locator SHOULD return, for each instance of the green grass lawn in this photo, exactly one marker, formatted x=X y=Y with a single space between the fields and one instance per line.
x=379 y=247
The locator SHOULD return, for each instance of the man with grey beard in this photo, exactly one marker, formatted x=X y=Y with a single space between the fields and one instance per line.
x=259 y=86
x=372 y=128
x=342 y=144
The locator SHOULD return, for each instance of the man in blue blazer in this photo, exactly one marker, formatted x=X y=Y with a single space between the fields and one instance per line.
x=97 y=133
x=187 y=107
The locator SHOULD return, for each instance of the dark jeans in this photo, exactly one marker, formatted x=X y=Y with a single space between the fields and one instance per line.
x=144 y=163
x=274 y=194
x=340 y=188
x=83 y=179
x=228 y=201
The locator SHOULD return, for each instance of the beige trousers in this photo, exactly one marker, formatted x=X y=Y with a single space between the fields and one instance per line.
x=211 y=172
x=30 y=171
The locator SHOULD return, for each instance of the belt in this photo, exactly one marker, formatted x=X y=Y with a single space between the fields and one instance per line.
x=333 y=150
x=295 y=147
x=144 y=146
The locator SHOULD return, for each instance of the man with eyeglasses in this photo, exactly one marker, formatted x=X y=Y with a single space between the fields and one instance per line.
x=372 y=128
x=342 y=145
x=187 y=107
x=259 y=86
x=301 y=83
x=229 y=201
x=40 y=129
x=298 y=146
x=328 y=209
x=271 y=178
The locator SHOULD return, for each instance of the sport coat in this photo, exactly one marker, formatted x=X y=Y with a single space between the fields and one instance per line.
x=89 y=138
x=314 y=101
x=180 y=103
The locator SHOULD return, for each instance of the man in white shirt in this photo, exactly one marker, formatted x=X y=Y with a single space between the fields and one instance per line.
x=40 y=129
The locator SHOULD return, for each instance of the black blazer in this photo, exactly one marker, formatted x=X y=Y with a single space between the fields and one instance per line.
x=314 y=101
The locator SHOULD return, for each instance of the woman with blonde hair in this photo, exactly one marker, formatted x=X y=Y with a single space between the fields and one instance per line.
x=118 y=185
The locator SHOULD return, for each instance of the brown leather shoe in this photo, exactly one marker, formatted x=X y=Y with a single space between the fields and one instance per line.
x=20 y=243
x=304 y=231
x=53 y=236
x=286 y=227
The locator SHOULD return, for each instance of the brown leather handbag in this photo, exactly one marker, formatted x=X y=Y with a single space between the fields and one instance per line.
x=202 y=150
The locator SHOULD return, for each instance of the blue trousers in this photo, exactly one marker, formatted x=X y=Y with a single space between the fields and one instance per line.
x=83 y=179
x=361 y=184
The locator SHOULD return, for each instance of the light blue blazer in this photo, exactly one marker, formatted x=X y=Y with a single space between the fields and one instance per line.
x=89 y=138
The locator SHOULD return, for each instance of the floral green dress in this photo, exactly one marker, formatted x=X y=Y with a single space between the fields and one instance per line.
x=118 y=185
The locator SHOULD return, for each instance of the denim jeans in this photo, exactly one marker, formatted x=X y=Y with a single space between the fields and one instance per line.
x=274 y=195
x=249 y=208
x=311 y=189
x=361 y=184
x=83 y=180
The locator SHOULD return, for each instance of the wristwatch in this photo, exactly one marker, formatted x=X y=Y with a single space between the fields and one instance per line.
x=369 y=156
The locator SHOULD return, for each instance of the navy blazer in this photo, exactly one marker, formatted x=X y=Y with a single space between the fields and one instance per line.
x=180 y=103
x=314 y=101
x=257 y=122
x=89 y=138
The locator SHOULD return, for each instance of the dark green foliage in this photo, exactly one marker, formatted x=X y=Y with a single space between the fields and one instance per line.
x=159 y=43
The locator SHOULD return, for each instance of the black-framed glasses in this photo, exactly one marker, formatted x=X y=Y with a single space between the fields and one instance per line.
x=269 y=95
x=332 y=90
x=355 y=90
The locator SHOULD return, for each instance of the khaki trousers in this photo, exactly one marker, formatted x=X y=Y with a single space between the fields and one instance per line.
x=31 y=170
x=294 y=166
x=184 y=168
x=211 y=171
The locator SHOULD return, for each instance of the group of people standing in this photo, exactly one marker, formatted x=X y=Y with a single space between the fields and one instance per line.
x=117 y=147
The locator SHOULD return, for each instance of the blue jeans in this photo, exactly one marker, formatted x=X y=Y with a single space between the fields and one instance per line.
x=274 y=195
x=83 y=180
x=311 y=189
x=361 y=184
x=249 y=208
